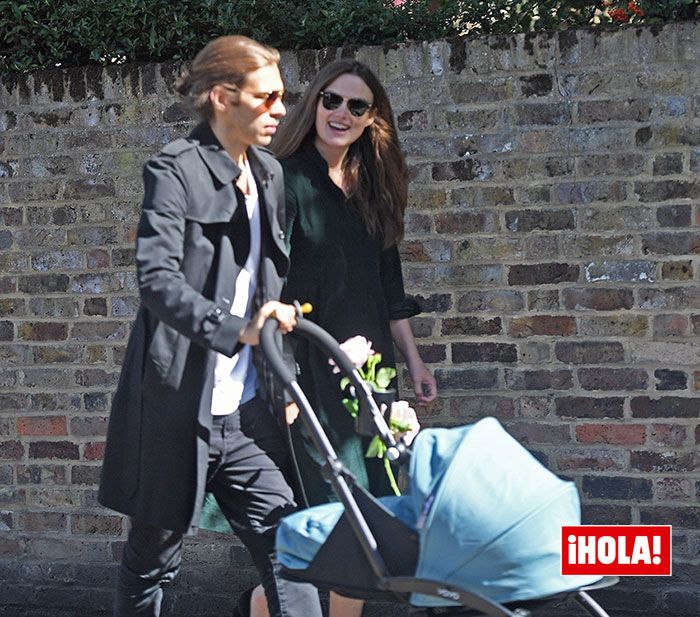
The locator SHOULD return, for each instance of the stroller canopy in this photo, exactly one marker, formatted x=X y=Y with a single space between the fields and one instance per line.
x=488 y=515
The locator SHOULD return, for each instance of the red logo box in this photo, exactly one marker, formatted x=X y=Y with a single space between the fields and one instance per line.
x=616 y=550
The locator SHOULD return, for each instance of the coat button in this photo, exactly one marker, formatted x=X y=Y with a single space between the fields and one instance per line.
x=280 y=235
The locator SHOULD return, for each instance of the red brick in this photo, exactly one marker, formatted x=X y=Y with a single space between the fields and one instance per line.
x=670 y=325
x=670 y=489
x=94 y=451
x=428 y=353
x=619 y=434
x=606 y=378
x=681 y=517
x=598 y=299
x=589 y=352
x=41 y=474
x=44 y=331
x=590 y=460
x=545 y=325
x=97 y=258
x=11 y=450
x=665 y=407
x=616 y=487
x=44 y=425
x=545 y=433
x=605 y=514
x=470 y=325
x=43 y=521
x=54 y=449
x=542 y=274
x=657 y=462
x=475 y=407
x=85 y=474
x=588 y=407
x=88 y=426
x=483 y=352
x=435 y=303
x=96 y=524
x=539 y=380
x=668 y=434
x=535 y=406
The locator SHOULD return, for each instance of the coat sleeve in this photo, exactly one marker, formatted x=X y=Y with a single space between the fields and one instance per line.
x=160 y=247
x=400 y=306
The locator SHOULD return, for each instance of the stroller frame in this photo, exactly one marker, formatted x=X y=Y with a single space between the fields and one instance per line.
x=362 y=511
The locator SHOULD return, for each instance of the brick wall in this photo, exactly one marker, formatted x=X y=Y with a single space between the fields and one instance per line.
x=552 y=241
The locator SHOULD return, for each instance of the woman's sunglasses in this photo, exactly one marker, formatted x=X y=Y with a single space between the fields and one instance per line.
x=357 y=107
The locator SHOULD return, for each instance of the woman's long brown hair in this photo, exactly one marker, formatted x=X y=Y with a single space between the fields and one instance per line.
x=374 y=168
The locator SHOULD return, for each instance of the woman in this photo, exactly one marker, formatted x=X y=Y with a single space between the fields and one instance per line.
x=346 y=189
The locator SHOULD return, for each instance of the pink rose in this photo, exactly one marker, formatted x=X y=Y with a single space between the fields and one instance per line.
x=358 y=349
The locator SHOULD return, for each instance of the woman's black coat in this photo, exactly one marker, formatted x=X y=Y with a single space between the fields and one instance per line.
x=157 y=444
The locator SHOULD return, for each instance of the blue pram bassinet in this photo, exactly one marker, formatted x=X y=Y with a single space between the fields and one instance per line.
x=479 y=528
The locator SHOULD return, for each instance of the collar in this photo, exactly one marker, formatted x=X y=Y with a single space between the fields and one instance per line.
x=219 y=161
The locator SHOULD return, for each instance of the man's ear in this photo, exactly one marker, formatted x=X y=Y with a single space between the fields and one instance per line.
x=219 y=98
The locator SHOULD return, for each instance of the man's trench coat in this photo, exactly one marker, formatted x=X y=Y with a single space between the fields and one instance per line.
x=157 y=443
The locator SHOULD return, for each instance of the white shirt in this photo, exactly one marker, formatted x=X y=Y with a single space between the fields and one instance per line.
x=235 y=377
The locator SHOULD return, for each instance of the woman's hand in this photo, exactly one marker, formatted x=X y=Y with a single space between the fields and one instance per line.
x=424 y=383
x=284 y=313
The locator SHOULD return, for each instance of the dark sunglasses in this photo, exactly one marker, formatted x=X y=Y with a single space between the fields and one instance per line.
x=357 y=107
x=268 y=98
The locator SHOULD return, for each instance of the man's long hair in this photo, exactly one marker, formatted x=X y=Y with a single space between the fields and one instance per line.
x=374 y=169
x=224 y=60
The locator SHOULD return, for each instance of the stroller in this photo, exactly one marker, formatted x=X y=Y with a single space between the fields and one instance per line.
x=478 y=532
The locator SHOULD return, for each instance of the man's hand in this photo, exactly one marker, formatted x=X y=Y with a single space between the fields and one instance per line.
x=284 y=313
x=291 y=412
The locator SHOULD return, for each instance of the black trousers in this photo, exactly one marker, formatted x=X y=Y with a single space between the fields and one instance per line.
x=246 y=454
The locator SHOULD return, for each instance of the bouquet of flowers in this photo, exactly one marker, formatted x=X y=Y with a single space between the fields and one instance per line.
x=402 y=421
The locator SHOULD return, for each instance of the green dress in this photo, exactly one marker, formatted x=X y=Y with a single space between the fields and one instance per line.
x=355 y=288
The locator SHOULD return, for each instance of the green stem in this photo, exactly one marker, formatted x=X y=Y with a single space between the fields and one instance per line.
x=392 y=480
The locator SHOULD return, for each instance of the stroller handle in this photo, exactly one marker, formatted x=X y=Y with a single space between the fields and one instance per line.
x=396 y=450
x=311 y=331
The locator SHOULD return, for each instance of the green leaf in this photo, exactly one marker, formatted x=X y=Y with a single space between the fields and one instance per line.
x=352 y=406
x=376 y=448
x=384 y=377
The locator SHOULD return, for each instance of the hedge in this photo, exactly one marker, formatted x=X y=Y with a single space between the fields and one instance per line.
x=40 y=34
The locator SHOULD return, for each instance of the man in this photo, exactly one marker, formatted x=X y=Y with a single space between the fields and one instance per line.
x=191 y=412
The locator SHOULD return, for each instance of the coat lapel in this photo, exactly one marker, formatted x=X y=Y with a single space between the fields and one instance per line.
x=264 y=178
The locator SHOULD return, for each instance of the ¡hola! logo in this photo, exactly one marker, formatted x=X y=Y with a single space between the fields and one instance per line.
x=616 y=550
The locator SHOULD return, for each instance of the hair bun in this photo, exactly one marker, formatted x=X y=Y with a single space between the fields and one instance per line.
x=183 y=84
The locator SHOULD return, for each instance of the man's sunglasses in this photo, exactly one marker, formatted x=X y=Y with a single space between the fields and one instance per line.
x=357 y=107
x=268 y=98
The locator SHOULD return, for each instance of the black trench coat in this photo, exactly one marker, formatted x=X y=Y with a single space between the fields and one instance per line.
x=157 y=443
